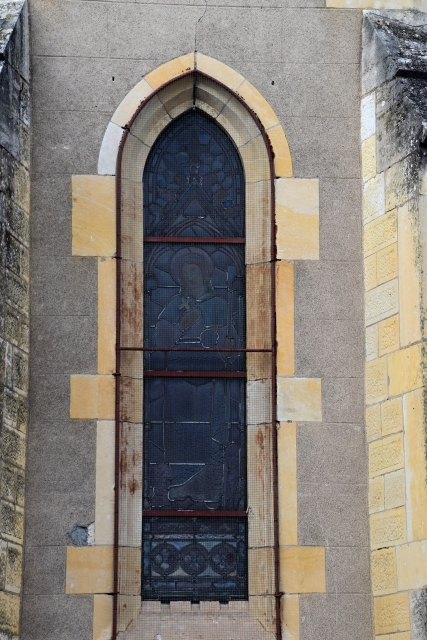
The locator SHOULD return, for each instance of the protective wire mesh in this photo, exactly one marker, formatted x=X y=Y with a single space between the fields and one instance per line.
x=196 y=439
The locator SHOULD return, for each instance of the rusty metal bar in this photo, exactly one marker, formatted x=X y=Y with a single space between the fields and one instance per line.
x=193 y=514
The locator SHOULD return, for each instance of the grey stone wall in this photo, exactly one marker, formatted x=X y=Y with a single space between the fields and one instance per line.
x=14 y=301
x=305 y=59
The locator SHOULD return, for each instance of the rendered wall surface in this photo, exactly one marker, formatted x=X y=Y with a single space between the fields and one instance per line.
x=14 y=299
x=305 y=60
x=394 y=170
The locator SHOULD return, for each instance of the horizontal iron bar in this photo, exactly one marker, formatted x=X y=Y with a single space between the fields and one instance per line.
x=217 y=514
x=196 y=374
x=204 y=349
x=195 y=240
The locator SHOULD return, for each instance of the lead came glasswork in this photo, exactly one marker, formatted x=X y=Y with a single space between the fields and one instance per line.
x=194 y=313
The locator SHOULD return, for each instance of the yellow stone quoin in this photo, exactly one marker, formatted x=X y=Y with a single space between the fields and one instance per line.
x=89 y=570
x=302 y=569
x=297 y=219
x=93 y=215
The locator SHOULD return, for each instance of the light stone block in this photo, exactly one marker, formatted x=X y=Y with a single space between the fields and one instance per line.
x=299 y=399
x=170 y=70
x=369 y=161
x=376 y=494
x=394 y=489
x=387 y=264
x=282 y=155
x=258 y=222
x=285 y=310
x=388 y=528
x=409 y=278
x=382 y=302
x=255 y=160
x=128 y=609
x=386 y=455
x=376 y=380
x=93 y=215
x=287 y=483
x=260 y=486
x=219 y=71
x=400 y=184
x=242 y=128
x=388 y=335
x=374 y=198
x=257 y=103
x=289 y=611
x=107 y=159
x=391 y=613
x=261 y=571
x=92 y=397
x=384 y=571
x=105 y=480
x=412 y=565
x=380 y=233
x=415 y=463
x=89 y=570
x=297 y=219
x=150 y=122
x=405 y=368
x=106 y=315
x=370 y=268
x=258 y=312
x=391 y=416
x=373 y=422
x=368 y=116
x=258 y=400
x=302 y=569
x=102 y=617
x=263 y=609
x=9 y=612
x=130 y=571
x=130 y=103
x=178 y=96
x=372 y=342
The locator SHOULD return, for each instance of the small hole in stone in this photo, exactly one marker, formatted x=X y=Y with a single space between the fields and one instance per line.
x=112 y=78
x=272 y=82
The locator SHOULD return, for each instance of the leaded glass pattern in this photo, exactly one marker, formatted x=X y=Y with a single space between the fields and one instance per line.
x=194 y=366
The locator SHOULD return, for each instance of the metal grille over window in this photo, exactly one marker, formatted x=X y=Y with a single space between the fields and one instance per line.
x=195 y=361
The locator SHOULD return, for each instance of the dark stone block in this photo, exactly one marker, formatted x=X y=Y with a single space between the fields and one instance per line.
x=326 y=616
x=44 y=570
x=56 y=617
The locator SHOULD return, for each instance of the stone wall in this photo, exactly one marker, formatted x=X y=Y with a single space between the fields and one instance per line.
x=14 y=311
x=393 y=158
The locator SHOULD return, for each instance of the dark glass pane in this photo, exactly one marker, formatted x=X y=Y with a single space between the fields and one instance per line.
x=194 y=298
x=198 y=558
x=194 y=444
x=193 y=181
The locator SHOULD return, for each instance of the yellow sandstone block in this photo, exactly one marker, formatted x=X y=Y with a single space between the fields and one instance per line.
x=289 y=611
x=391 y=416
x=405 y=370
x=287 y=481
x=261 y=571
x=129 y=105
x=383 y=571
x=257 y=103
x=376 y=494
x=388 y=528
x=413 y=411
x=409 y=278
x=386 y=455
x=391 y=613
x=255 y=160
x=128 y=608
x=102 y=617
x=299 y=399
x=376 y=380
x=372 y=342
x=380 y=233
x=387 y=264
x=374 y=198
x=405 y=635
x=170 y=70
x=388 y=335
x=394 y=489
x=285 y=318
x=219 y=71
x=412 y=565
x=93 y=215
x=373 y=422
x=297 y=219
x=92 y=397
x=370 y=265
x=282 y=155
x=106 y=315
x=369 y=163
x=89 y=570
x=105 y=470
x=302 y=569
x=9 y=612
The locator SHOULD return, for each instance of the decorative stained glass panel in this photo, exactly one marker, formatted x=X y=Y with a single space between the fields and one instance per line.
x=194 y=366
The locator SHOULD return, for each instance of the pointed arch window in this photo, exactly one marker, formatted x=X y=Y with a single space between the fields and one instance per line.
x=194 y=467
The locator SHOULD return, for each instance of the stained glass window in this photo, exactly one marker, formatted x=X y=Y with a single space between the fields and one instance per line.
x=194 y=511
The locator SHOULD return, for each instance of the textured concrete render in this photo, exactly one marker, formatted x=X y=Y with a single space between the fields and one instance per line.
x=312 y=56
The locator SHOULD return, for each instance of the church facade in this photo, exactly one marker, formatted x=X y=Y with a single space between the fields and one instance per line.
x=213 y=249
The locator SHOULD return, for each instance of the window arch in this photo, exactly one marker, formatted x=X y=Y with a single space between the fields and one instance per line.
x=194 y=239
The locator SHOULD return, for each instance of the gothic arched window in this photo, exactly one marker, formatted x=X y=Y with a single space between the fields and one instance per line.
x=194 y=467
